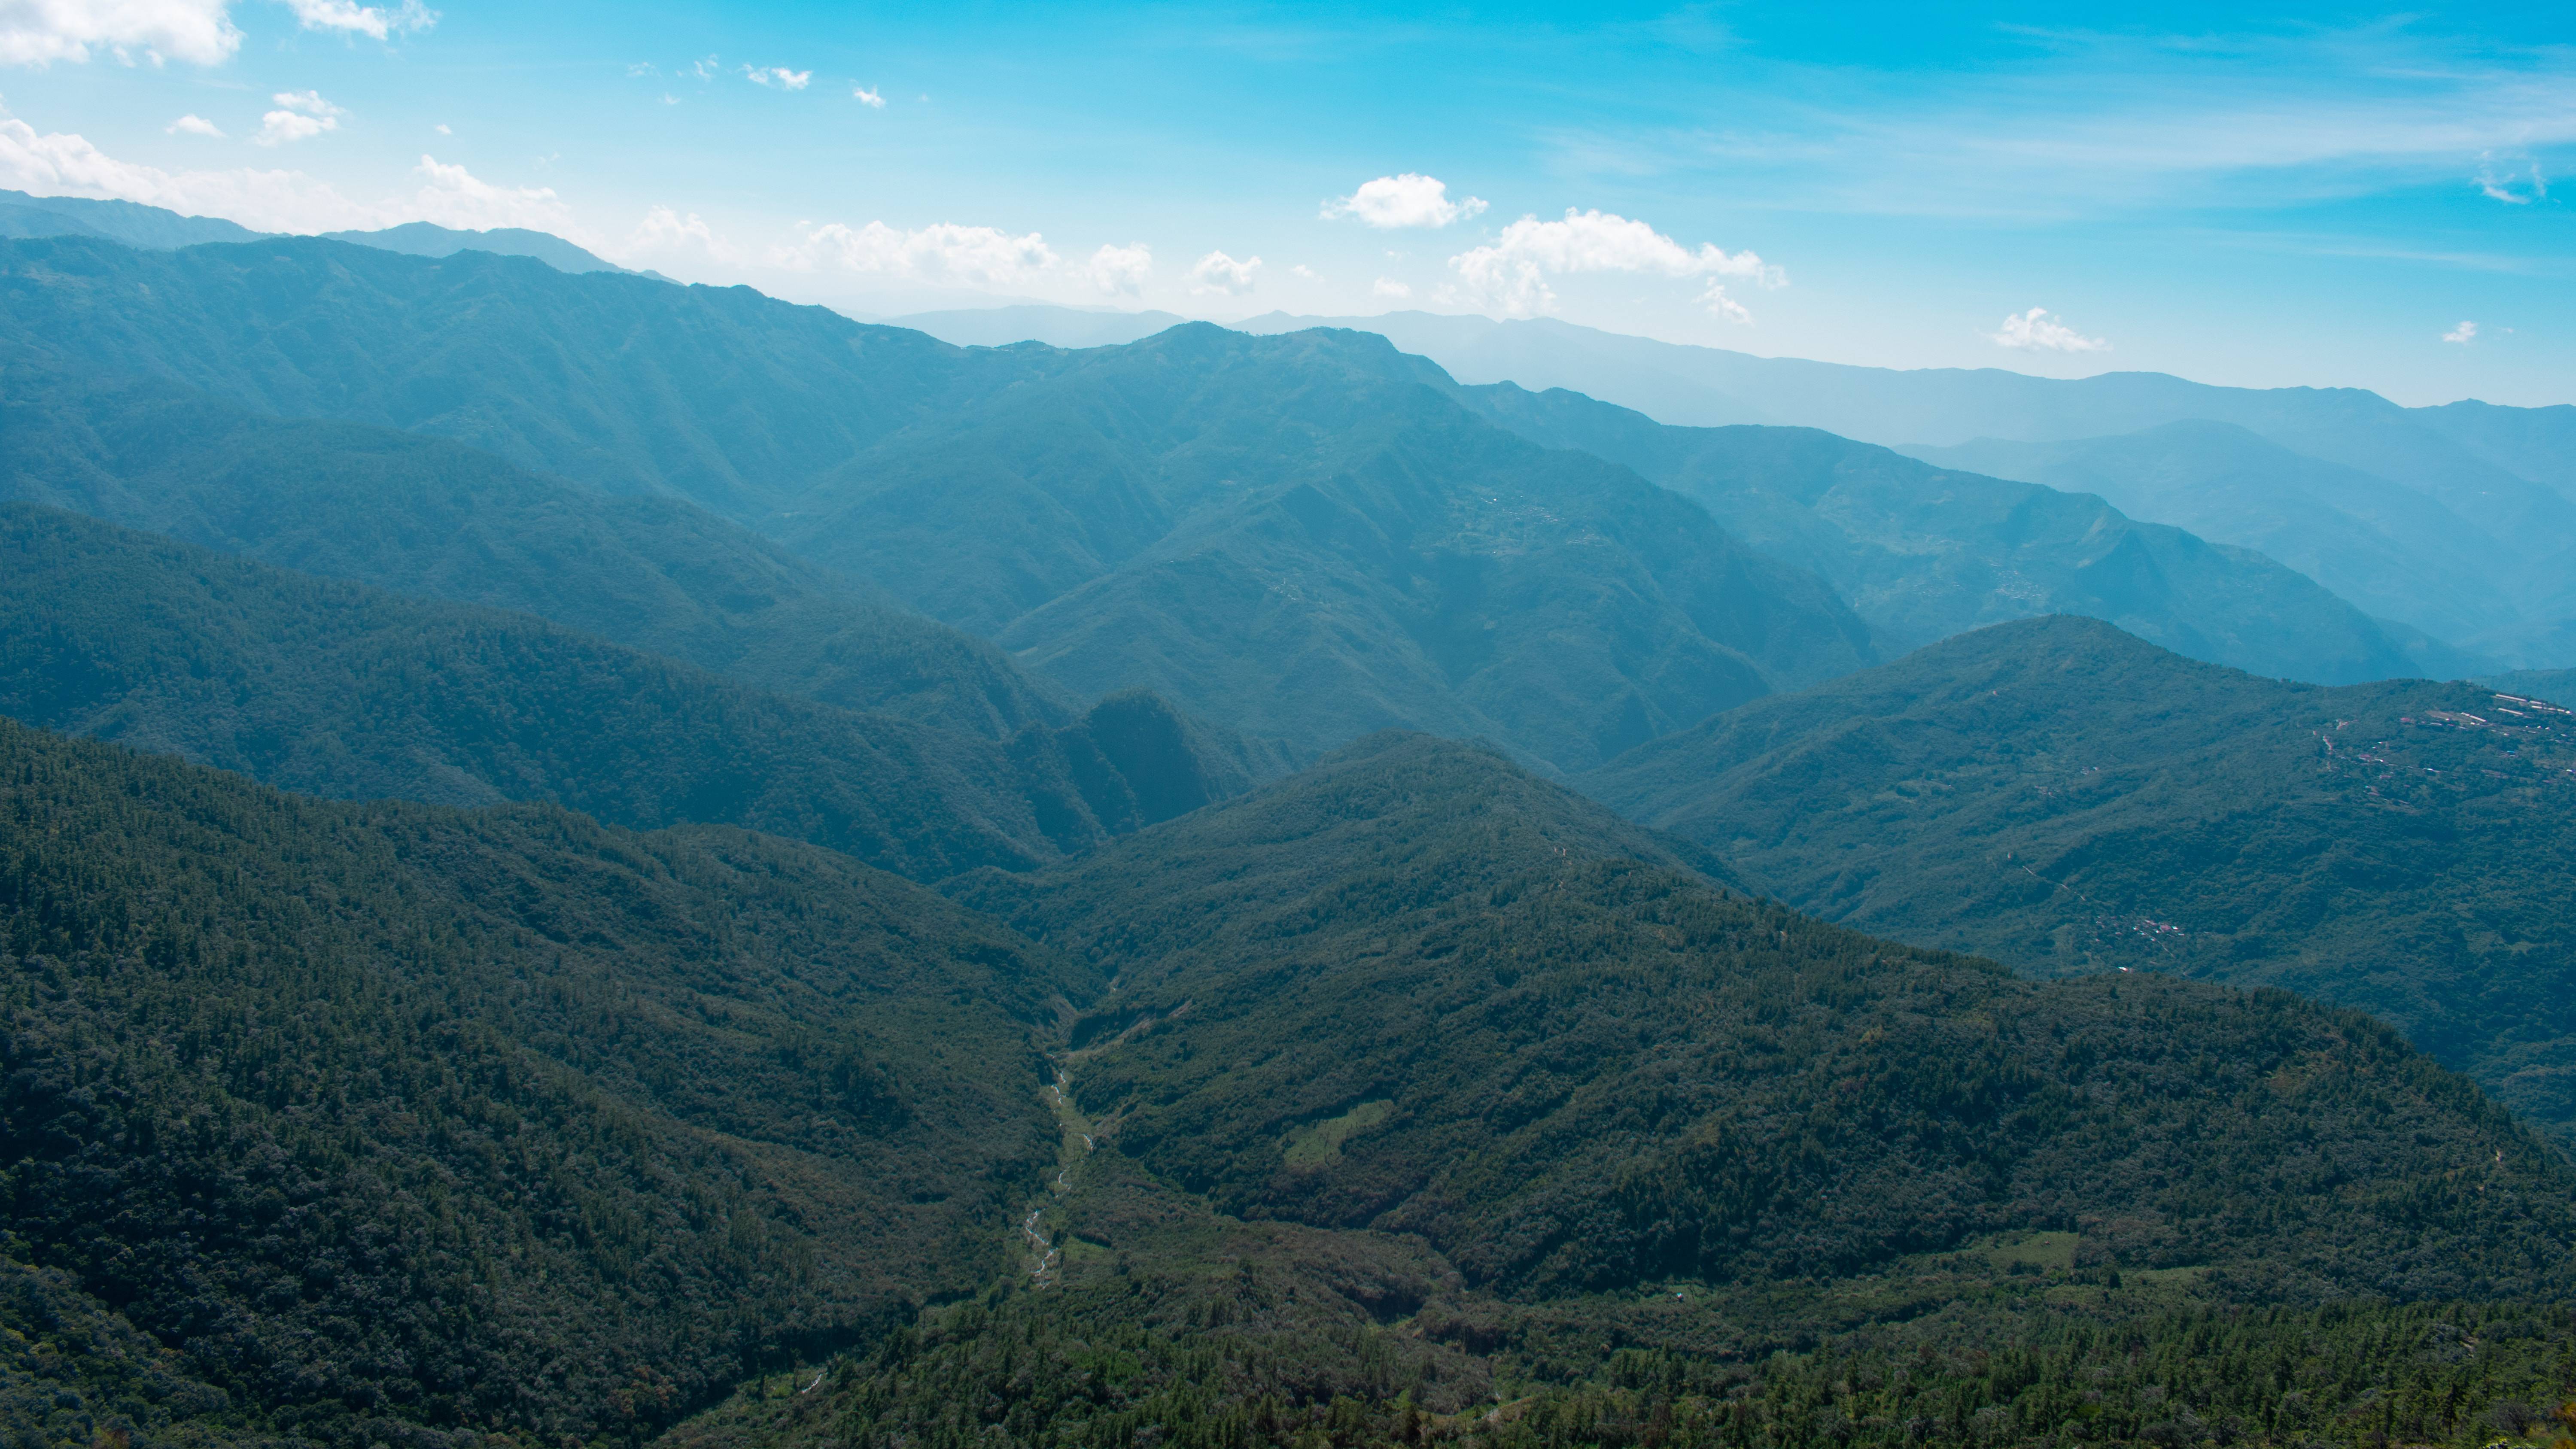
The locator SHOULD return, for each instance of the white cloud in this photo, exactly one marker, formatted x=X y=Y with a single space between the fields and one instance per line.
x=60 y=164
x=1390 y=289
x=2037 y=331
x=1411 y=199
x=1122 y=269
x=2464 y=334
x=1307 y=272
x=443 y=129
x=1511 y=273
x=40 y=32
x=778 y=75
x=372 y=21
x=301 y=115
x=979 y=256
x=194 y=126
x=704 y=68
x=1219 y=274
x=867 y=98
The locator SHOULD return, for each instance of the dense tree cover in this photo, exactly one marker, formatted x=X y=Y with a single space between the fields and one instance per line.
x=1085 y=1369
x=435 y=519
x=1923 y=553
x=1433 y=1105
x=505 y=1121
x=2066 y=798
x=338 y=690
x=75 y=1374
x=1307 y=538
x=1416 y=990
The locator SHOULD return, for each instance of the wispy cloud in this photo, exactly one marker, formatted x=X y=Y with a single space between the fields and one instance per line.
x=2090 y=124
x=2037 y=330
x=868 y=98
x=2502 y=185
x=2464 y=334
x=376 y=22
x=1389 y=289
x=195 y=126
x=779 y=76
x=1410 y=199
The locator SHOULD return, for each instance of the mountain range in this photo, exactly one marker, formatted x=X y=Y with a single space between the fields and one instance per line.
x=588 y=861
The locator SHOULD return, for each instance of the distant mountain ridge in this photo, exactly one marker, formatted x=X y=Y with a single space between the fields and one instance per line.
x=137 y=225
x=1924 y=554
x=2390 y=550
x=2505 y=475
x=422 y=239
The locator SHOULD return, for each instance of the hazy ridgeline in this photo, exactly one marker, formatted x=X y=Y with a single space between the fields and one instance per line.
x=584 y=860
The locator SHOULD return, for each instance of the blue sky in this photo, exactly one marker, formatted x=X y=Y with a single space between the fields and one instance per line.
x=2268 y=197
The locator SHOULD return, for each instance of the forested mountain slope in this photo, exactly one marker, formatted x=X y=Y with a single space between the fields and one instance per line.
x=1518 y=1131
x=1305 y=537
x=435 y=519
x=1415 y=989
x=1923 y=553
x=723 y=396
x=335 y=689
x=2066 y=798
x=388 y=1115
